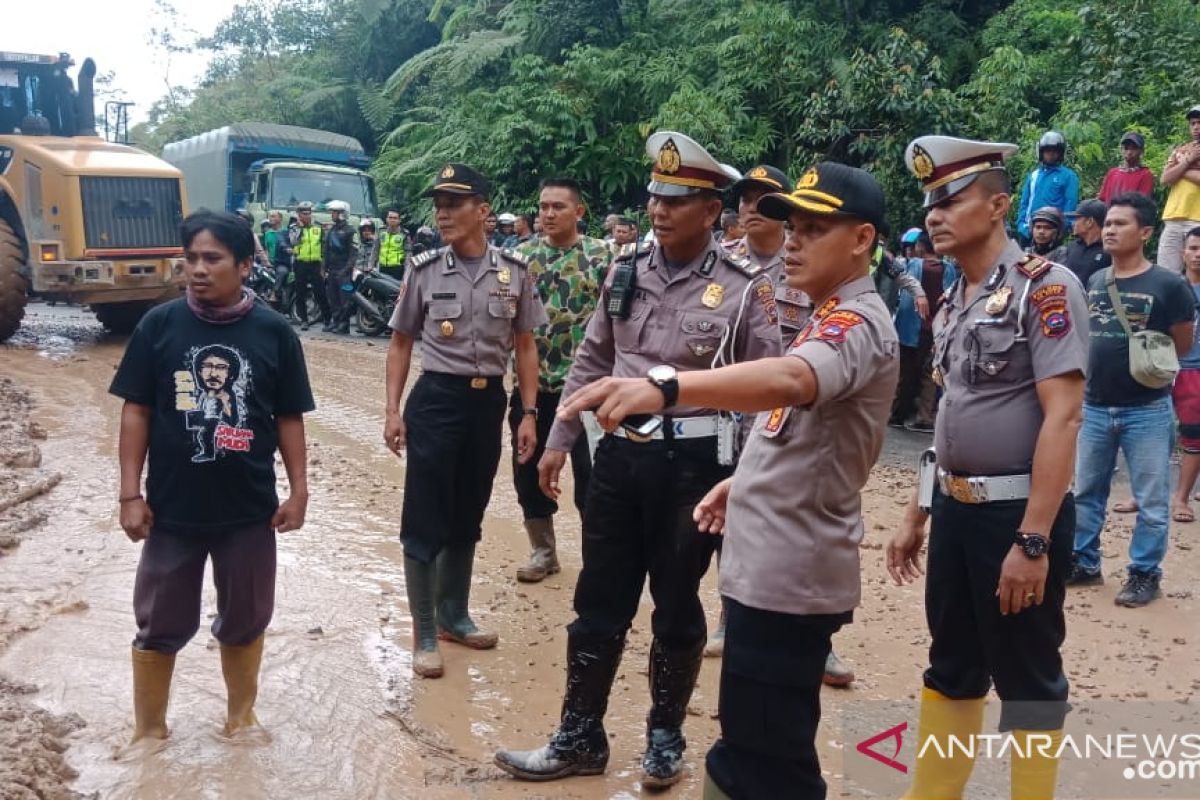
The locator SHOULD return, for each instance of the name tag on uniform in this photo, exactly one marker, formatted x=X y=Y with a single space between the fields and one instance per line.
x=445 y=295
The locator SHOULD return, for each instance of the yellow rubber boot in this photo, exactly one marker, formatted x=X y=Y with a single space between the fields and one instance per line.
x=151 y=689
x=240 y=667
x=1035 y=764
x=945 y=769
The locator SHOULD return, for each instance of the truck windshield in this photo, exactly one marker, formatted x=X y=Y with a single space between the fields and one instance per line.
x=292 y=186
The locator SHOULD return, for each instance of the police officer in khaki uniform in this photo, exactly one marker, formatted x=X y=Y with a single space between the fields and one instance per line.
x=473 y=305
x=684 y=304
x=764 y=245
x=790 y=570
x=1010 y=350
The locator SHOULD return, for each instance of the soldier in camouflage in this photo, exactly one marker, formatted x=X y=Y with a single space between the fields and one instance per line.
x=568 y=271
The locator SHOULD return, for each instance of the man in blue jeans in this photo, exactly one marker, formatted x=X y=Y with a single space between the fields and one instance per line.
x=1119 y=412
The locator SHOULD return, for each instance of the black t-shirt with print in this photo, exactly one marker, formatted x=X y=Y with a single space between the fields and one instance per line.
x=215 y=391
x=1154 y=300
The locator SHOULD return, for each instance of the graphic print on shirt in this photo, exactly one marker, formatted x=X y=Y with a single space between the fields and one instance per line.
x=1106 y=325
x=211 y=392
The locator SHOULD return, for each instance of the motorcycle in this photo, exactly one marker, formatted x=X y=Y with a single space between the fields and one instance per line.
x=264 y=283
x=375 y=296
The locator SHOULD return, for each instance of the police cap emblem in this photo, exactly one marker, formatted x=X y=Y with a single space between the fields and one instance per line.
x=668 y=161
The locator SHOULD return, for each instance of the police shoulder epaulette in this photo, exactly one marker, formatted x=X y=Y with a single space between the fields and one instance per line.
x=1033 y=267
x=625 y=252
x=515 y=257
x=741 y=264
x=428 y=257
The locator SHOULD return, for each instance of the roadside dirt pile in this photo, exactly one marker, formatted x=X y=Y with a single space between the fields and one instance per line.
x=32 y=741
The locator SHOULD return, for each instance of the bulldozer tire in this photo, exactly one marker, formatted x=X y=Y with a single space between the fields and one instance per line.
x=13 y=287
x=121 y=318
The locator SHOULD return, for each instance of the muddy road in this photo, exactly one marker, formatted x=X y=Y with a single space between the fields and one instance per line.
x=346 y=717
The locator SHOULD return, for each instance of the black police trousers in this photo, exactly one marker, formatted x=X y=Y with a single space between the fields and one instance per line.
x=637 y=521
x=308 y=277
x=534 y=502
x=975 y=646
x=770 y=704
x=453 y=444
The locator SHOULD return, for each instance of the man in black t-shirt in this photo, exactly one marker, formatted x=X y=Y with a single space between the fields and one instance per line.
x=1121 y=413
x=1085 y=254
x=213 y=384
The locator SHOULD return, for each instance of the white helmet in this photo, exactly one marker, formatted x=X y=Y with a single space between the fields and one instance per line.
x=338 y=205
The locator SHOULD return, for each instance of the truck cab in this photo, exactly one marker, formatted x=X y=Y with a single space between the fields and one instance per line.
x=282 y=185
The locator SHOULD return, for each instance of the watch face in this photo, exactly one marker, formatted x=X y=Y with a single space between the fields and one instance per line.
x=1034 y=546
x=661 y=373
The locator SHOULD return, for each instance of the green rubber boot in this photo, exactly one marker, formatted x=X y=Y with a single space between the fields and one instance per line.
x=419 y=583
x=454 y=566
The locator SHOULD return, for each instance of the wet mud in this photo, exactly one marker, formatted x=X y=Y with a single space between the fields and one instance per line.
x=347 y=718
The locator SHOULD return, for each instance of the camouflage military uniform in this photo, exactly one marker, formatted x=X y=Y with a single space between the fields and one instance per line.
x=568 y=282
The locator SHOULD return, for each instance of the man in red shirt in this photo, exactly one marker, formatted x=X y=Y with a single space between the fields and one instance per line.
x=1132 y=176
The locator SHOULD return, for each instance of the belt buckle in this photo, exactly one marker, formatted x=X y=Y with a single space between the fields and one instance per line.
x=960 y=489
x=479 y=383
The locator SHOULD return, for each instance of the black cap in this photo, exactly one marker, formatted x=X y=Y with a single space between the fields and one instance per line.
x=1193 y=112
x=459 y=179
x=830 y=189
x=1093 y=209
x=770 y=178
x=1138 y=140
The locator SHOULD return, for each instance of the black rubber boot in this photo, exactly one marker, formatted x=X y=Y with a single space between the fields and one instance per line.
x=580 y=745
x=673 y=674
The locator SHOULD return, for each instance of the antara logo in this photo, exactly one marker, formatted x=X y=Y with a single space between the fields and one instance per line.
x=895 y=734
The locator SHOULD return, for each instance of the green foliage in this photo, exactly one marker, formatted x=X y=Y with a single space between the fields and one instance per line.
x=524 y=89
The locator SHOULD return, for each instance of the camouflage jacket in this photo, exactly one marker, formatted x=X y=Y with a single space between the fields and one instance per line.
x=568 y=281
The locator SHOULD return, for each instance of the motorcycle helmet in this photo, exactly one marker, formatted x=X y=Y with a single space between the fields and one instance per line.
x=367 y=224
x=246 y=215
x=338 y=205
x=1048 y=214
x=1052 y=140
x=910 y=236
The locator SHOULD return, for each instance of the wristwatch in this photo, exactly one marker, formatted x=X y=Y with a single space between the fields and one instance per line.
x=667 y=380
x=530 y=412
x=1033 y=545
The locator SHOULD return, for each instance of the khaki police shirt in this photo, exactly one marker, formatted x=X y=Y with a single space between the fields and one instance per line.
x=794 y=521
x=795 y=306
x=989 y=353
x=466 y=323
x=681 y=320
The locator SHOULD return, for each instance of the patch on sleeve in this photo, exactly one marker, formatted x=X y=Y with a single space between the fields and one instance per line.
x=1056 y=319
x=774 y=422
x=835 y=326
x=765 y=293
x=1048 y=294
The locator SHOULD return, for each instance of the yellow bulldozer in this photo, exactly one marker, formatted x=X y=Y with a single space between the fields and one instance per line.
x=81 y=219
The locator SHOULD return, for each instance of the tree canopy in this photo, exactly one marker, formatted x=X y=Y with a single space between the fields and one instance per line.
x=524 y=89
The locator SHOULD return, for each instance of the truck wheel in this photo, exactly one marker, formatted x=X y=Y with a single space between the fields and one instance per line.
x=121 y=317
x=13 y=288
